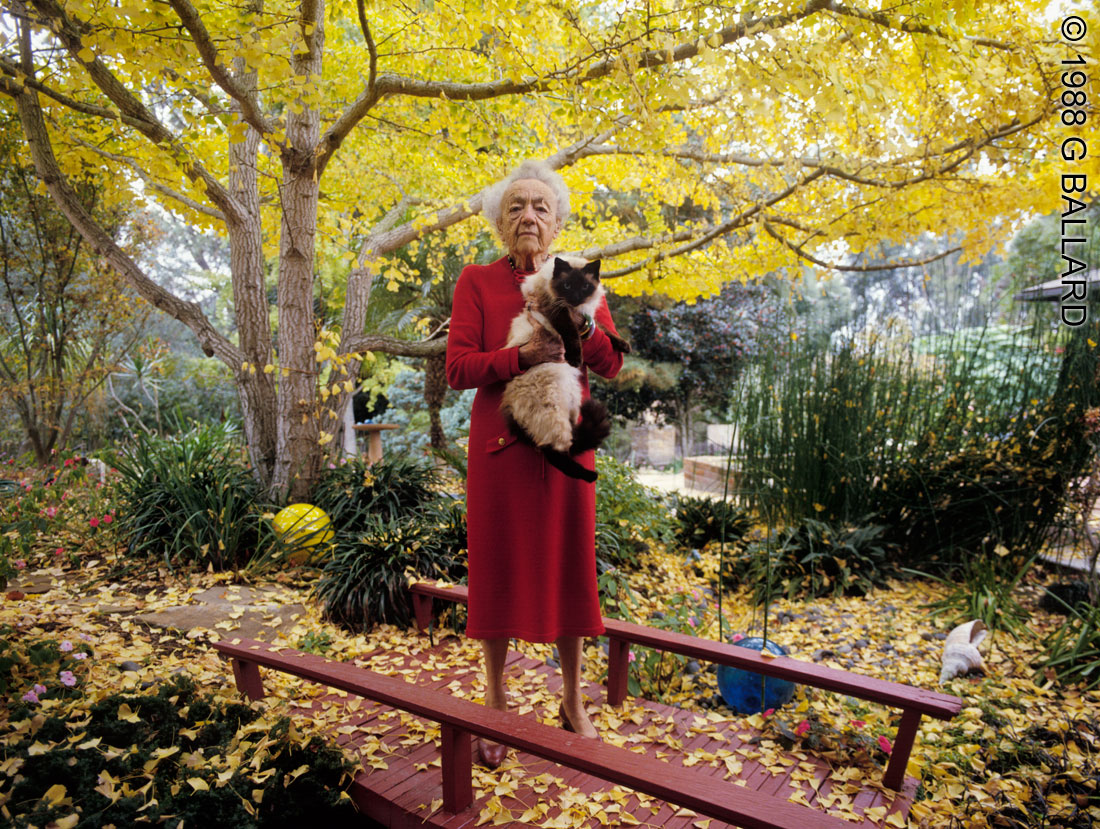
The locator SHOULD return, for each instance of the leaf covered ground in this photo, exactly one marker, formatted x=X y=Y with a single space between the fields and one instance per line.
x=1023 y=751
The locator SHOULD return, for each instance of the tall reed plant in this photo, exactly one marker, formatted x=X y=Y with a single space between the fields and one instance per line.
x=934 y=439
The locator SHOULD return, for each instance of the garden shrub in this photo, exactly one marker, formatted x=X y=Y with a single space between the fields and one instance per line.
x=191 y=499
x=355 y=491
x=391 y=524
x=365 y=582
x=817 y=558
x=700 y=521
x=652 y=673
x=171 y=757
x=629 y=515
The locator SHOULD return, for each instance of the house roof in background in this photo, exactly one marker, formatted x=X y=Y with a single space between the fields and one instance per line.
x=1052 y=290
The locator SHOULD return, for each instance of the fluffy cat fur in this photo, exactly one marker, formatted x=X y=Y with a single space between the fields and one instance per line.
x=543 y=405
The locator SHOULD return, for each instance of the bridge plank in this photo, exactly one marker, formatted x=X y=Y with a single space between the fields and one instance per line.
x=666 y=781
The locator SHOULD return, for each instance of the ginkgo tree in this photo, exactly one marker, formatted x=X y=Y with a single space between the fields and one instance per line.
x=702 y=143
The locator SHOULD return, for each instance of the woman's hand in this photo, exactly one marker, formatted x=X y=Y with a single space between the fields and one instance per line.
x=543 y=347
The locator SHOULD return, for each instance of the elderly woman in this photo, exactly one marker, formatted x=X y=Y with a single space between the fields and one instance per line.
x=531 y=529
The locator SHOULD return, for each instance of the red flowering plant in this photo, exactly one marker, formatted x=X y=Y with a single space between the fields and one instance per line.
x=62 y=507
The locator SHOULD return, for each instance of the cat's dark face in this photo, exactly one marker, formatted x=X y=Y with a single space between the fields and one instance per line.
x=575 y=285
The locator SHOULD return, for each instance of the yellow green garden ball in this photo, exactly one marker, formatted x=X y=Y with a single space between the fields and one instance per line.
x=303 y=523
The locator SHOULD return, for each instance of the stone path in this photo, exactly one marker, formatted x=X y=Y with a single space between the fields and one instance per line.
x=253 y=612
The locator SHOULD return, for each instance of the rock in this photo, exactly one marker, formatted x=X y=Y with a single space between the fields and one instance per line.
x=129 y=666
x=692 y=667
x=845 y=648
x=553 y=663
x=860 y=643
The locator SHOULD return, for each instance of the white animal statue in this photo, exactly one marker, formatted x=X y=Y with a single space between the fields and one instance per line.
x=960 y=650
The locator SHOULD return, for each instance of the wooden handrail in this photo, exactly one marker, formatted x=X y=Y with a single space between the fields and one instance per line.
x=460 y=718
x=913 y=701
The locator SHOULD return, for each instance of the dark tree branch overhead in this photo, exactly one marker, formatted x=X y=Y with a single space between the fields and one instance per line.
x=888 y=266
x=388 y=84
x=883 y=19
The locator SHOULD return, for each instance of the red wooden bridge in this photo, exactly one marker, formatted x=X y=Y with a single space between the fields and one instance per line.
x=657 y=765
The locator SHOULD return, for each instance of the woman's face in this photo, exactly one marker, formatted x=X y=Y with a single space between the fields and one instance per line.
x=528 y=218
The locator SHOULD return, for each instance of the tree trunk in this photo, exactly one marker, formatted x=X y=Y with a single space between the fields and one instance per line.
x=255 y=387
x=435 y=390
x=298 y=452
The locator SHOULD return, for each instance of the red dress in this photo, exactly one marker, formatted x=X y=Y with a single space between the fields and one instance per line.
x=531 y=529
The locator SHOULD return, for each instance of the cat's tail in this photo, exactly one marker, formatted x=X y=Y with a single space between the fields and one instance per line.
x=569 y=465
x=593 y=427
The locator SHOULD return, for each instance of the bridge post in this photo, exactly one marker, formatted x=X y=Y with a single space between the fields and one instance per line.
x=247 y=676
x=903 y=745
x=618 y=670
x=458 y=787
x=422 y=608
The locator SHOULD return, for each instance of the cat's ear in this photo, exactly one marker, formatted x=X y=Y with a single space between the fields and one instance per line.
x=560 y=265
x=593 y=269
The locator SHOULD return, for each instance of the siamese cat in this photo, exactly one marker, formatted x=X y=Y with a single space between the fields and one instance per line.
x=543 y=405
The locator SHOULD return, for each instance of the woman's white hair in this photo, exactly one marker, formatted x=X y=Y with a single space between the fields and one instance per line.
x=538 y=170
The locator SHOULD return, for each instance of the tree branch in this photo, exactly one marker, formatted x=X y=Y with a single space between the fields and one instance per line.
x=903 y=263
x=882 y=19
x=189 y=313
x=394 y=346
x=714 y=231
x=164 y=190
x=11 y=88
x=372 y=50
x=249 y=107
x=68 y=33
x=387 y=84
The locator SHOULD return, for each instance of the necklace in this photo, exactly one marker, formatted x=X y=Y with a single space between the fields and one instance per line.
x=517 y=275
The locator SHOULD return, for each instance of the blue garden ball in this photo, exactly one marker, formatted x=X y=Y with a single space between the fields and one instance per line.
x=741 y=689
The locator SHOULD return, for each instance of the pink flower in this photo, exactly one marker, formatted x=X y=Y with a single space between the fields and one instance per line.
x=68 y=679
x=802 y=728
x=30 y=696
x=858 y=723
x=59 y=551
x=39 y=689
x=630 y=656
x=107 y=519
x=737 y=637
x=769 y=712
x=93 y=522
x=86 y=637
x=66 y=646
x=884 y=744
x=80 y=655
x=19 y=564
x=50 y=512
